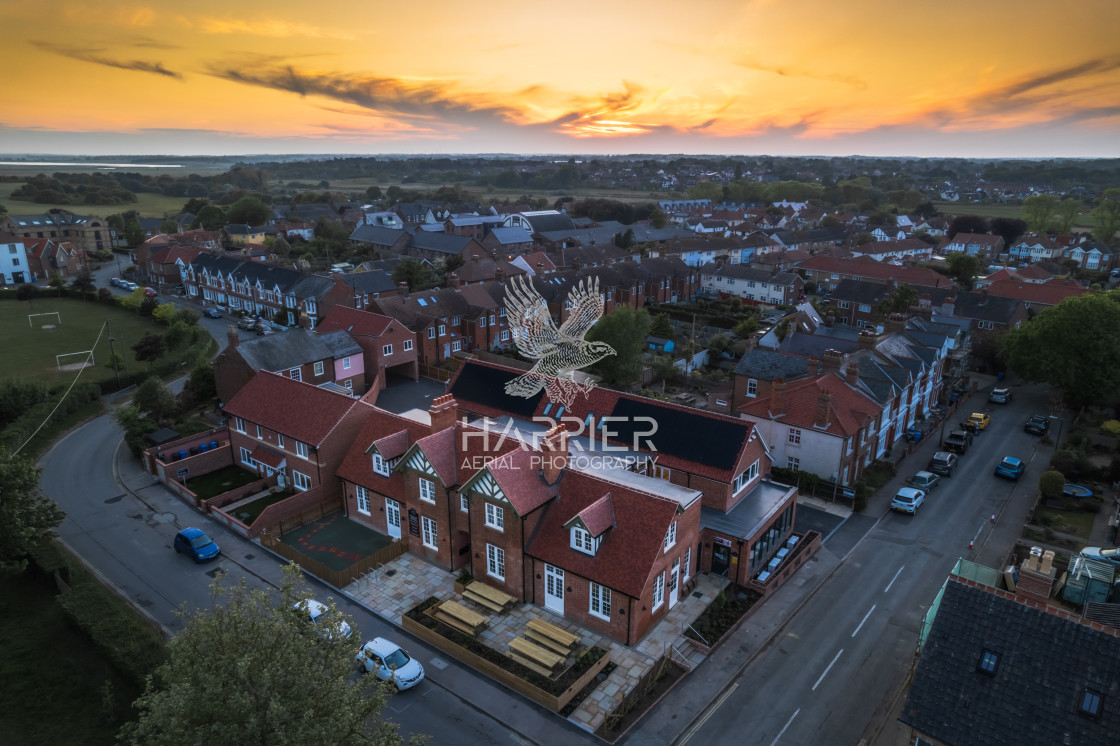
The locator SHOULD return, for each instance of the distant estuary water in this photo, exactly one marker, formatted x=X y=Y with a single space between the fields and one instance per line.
x=92 y=164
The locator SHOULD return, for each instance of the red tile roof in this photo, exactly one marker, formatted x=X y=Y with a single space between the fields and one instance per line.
x=848 y=408
x=869 y=268
x=1049 y=293
x=268 y=457
x=358 y=323
x=628 y=551
x=391 y=446
x=292 y=408
x=380 y=427
x=518 y=473
x=439 y=449
x=598 y=516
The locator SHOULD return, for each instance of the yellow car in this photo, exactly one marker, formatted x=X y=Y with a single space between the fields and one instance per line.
x=979 y=420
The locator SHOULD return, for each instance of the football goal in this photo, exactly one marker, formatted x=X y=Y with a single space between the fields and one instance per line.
x=77 y=365
x=56 y=314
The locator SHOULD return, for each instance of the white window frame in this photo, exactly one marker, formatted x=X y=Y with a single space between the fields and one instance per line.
x=279 y=440
x=259 y=436
x=443 y=330
x=362 y=496
x=687 y=565
x=464 y=503
x=301 y=449
x=407 y=345
x=495 y=517
x=431 y=332
x=794 y=436
x=745 y=478
x=582 y=541
x=247 y=457
x=380 y=465
x=295 y=374
x=599 y=602
x=659 y=591
x=346 y=363
x=671 y=536
x=793 y=463
x=495 y=562
x=300 y=481
x=752 y=387
x=319 y=368
x=239 y=425
x=429 y=532
x=387 y=350
x=427 y=490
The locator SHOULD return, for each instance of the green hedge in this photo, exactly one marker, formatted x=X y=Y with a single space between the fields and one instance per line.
x=22 y=428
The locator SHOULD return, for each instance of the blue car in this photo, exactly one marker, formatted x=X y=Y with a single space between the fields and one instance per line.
x=196 y=544
x=1011 y=468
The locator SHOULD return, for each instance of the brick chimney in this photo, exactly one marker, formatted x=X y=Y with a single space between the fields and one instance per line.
x=983 y=296
x=813 y=366
x=453 y=280
x=444 y=411
x=824 y=403
x=304 y=321
x=867 y=339
x=499 y=274
x=777 y=396
x=852 y=373
x=832 y=360
x=402 y=289
x=896 y=322
x=554 y=454
x=231 y=335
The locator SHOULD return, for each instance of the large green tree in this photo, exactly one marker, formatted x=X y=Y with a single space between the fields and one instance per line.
x=963 y=268
x=901 y=300
x=661 y=327
x=155 y=399
x=27 y=518
x=1065 y=215
x=151 y=347
x=210 y=218
x=1073 y=347
x=411 y=271
x=1106 y=216
x=249 y=210
x=1039 y=211
x=625 y=329
x=248 y=670
x=133 y=234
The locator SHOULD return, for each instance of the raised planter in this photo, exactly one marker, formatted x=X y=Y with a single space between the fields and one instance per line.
x=554 y=702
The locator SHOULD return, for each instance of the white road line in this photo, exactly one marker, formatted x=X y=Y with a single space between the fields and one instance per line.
x=893 y=579
x=830 y=665
x=711 y=711
x=864 y=620
x=782 y=732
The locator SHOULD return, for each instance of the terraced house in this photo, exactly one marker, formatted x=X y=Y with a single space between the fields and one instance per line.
x=278 y=293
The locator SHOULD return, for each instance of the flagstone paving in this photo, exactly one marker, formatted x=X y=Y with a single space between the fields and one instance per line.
x=407 y=580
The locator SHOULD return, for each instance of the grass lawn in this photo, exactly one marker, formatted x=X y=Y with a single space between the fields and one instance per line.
x=1065 y=521
x=52 y=676
x=1084 y=220
x=148 y=205
x=223 y=480
x=251 y=511
x=79 y=330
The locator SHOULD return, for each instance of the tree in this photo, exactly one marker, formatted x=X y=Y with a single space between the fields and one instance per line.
x=1065 y=215
x=1072 y=346
x=165 y=313
x=661 y=327
x=745 y=328
x=200 y=387
x=248 y=670
x=657 y=218
x=155 y=399
x=26 y=291
x=625 y=329
x=83 y=283
x=1008 y=228
x=963 y=268
x=281 y=247
x=1039 y=210
x=210 y=218
x=412 y=272
x=57 y=282
x=133 y=234
x=27 y=518
x=452 y=262
x=116 y=222
x=1106 y=216
x=168 y=226
x=150 y=347
x=968 y=224
x=373 y=193
x=901 y=300
x=249 y=210
x=663 y=367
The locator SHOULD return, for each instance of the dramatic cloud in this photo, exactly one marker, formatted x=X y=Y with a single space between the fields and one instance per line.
x=95 y=57
x=276 y=29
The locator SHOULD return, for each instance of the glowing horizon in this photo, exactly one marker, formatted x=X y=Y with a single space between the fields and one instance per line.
x=1000 y=79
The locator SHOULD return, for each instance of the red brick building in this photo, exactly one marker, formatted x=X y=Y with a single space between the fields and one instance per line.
x=388 y=346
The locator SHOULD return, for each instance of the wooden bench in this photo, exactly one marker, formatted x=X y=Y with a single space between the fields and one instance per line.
x=488 y=596
x=454 y=614
x=552 y=636
x=534 y=657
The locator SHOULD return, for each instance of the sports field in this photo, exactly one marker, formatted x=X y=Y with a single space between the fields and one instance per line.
x=29 y=349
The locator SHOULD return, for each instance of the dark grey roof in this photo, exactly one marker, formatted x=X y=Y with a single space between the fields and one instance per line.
x=749 y=272
x=441 y=243
x=859 y=291
x=291 y=349
x=340 y=343
x=150 y=224
x=985 y=307
x=548 y=222
x=238 y=228
x=513 y=235
x=376 y=234
x=1045 y=664
x=290 y=281
x=814 y=345
x=375 y=281
x=767 y=365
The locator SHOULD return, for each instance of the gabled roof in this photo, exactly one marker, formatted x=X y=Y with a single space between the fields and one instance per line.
x=596 y=517
x=393 y=435
x=376 y=281
x=441 y=243
x=357 y=323
x=1049 y=293
x=515 y=235
x=869 y=268
x=290 y=281
x=986 y=307
x=279 y=352
x=848 y=408
x=748 y=272
x=292 y=408
x=860 y=291
x=899 y=246
x=768 y=365
x=377 y=234
x=339 y=343
x=1045 y=659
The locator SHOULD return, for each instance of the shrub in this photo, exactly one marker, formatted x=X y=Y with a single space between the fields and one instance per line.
x=1050 y=484
x=1111 y=427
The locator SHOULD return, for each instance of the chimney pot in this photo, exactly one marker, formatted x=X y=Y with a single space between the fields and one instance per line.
x=402 y=289
x=453 y=280
x=443 y=412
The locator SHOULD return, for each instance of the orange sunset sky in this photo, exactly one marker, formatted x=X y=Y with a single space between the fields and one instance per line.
x=1000 y=78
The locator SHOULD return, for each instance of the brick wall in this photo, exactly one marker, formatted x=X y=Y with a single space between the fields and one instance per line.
x=510 y=539
x=271 y=516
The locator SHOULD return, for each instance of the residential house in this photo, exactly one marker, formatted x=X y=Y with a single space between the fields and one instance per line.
x=509 y=242
x=1034 y=248
x=292 y=231
x=1037 y=295
x=895 y=251
x=241 y=234
x=472 y=226
x=752 y=284
x=293 y=430
x=388 y=347
x=479 y=270
x=87 y=233
x=437 y=246
x=165 y=264
x=364 y=287
x=47 y=258
x=300 y=354
x=15 y=269
x=989 y=313
x=826 y=272
x=855 y=302
x=1092 y=254
x=982 y=245
x=996 y=666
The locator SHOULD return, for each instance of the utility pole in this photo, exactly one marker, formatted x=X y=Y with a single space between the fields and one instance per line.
x=113 y=353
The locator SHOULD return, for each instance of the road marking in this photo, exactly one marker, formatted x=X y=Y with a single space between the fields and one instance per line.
x=711 y=711
x=864 y=620
x=520 y=740
x=830 y=665
x=782 y=732
x=893 y=579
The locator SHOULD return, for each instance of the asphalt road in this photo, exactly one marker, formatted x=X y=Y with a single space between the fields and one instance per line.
x=835 y=668
x=126 y=535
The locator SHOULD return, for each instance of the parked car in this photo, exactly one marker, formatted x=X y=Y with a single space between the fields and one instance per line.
x=1037 y=425
x=196 y=544
x=1011 y=468
x=313 y=611
x=943 y=463
x=925 y=480
x=211 y=313
x=116 y=282
x=958 y=441
x=908 y=500
x=1000 y=395
x=129 y=285
x=150 y=292
x=1098 y=553
x=389 y=662
x=246 y=323
x=979 y=420
x=263 y=328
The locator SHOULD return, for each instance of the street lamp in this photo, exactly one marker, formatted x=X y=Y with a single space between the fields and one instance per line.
x=113 y=354
x=1058 y=438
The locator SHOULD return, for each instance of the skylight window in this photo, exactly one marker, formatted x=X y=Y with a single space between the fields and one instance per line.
x=1090 y=704
x=988 y=662
x=422 y=302
x=547 y=407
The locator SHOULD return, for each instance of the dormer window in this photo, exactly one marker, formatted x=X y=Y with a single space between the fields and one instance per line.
x=380 y=465
x=583 y=541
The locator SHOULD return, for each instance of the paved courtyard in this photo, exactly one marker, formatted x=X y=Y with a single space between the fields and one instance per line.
x=408 y=580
